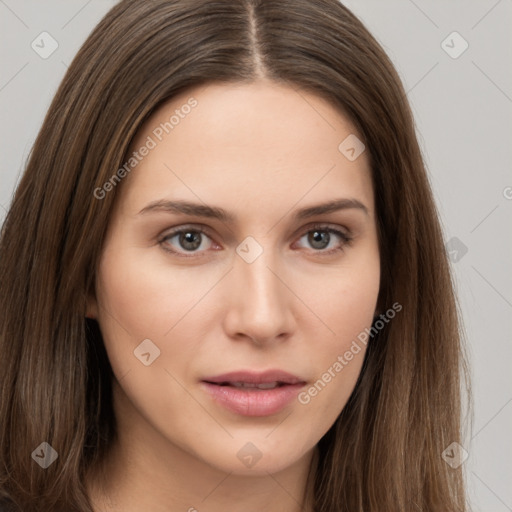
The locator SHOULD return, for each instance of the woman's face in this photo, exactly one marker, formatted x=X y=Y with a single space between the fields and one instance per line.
x=256 y=282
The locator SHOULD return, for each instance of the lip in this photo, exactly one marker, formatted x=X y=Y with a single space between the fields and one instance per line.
x=250 y=401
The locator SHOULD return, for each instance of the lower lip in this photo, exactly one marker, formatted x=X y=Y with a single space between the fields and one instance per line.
x=253 y=402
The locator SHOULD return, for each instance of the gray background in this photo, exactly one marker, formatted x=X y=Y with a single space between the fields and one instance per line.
x=463 y=111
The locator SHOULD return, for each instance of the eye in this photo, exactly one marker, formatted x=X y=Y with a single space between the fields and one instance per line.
x=189 y=241
x=322 y=240
x=186 y=240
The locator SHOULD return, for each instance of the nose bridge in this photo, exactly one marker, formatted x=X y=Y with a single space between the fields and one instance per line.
x=261 y=284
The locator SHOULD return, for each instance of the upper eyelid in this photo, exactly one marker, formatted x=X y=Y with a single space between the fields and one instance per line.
x=184 y=227
x=207 y=229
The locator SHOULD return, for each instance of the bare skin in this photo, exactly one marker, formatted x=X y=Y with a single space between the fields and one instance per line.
x=260 y=151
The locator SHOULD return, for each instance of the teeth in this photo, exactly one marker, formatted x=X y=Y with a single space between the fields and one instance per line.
x=267 y=385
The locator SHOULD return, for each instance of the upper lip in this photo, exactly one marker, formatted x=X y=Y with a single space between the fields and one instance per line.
x=252 y=377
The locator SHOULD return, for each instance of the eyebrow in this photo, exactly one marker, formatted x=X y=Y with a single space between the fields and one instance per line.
x=203 y=210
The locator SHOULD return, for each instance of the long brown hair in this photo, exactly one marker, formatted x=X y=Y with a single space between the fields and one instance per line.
x=384 y=452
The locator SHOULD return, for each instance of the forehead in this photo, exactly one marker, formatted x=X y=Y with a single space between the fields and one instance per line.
x=246 y=142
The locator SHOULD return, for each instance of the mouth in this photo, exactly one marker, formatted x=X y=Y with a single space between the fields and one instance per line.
x=251 y=385
x=253 y=394
x=248 y=378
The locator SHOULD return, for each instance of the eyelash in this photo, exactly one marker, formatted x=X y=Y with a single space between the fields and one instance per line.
x=345 y=239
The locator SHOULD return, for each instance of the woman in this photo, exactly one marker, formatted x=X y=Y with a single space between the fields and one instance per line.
x=224 y=283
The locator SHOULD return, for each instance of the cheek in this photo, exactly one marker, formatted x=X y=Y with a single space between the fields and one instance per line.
x=346 y=305
x=344 y=298
x=141 y=296
x=146 y=295
x=338 y=358
x=350 y=307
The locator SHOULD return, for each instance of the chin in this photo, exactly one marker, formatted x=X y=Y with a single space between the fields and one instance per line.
x=253 y=458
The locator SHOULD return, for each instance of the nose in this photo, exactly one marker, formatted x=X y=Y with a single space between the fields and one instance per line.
x=259 y=305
